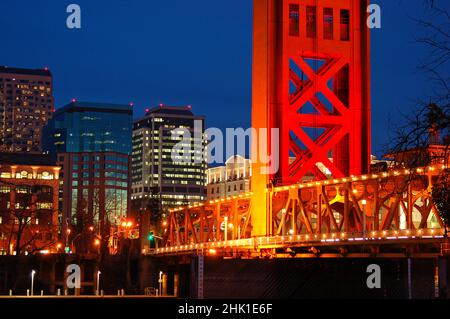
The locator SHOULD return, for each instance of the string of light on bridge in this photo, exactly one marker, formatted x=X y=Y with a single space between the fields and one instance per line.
x=306 y=240
x=329 y=182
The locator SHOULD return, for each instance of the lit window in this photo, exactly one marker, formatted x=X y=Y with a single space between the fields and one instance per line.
x=5 y=175
x=46 y=175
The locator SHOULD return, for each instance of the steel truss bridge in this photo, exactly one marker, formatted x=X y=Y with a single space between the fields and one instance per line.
x=386 y=215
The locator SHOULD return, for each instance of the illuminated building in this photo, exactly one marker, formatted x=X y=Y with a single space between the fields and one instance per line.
x=28 y=203
x=92 y=144
x=229 y=180
x=26 y=105
x=153 y=171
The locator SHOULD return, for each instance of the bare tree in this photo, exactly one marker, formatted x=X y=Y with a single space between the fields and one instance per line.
x=94 y=222
x=21 y=232
x=425 y=137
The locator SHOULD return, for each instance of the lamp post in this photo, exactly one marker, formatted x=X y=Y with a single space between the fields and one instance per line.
x=33 y=272
x=98 y=282
x=160 y=283
x=364 y=203
x=68 y=231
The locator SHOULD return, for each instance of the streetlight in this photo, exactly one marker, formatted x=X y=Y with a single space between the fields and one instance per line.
x=97 y=243
x=98 y=282
x=33 y=272
x=68 y=231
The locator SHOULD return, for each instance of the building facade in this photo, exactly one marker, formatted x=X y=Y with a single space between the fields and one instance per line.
x=26 y=105
x=154 y=173
x=29 y=215
x=92 y=144
x=229 y=180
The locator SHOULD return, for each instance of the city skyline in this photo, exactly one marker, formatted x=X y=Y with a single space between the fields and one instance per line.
x=214 y=149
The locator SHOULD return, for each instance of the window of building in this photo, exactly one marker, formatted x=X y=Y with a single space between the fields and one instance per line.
x=328 y=23
x=44 y=205
x=294 y=20
x=24 y=175
x=5 y=175
x=5 y=189
x=45 y=175
x=311 y=21
x=345 y=25
x=22 y=189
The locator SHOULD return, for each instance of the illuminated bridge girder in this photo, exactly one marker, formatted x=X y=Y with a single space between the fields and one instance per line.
x=388 y=208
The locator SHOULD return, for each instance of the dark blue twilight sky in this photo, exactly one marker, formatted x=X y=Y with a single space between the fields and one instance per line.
x=194 y=52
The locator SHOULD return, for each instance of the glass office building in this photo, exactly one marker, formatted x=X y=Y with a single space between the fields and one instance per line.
x=90 y=127
x=92 y=144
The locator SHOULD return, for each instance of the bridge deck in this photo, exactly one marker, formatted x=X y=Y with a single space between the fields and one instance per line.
x=256 y=244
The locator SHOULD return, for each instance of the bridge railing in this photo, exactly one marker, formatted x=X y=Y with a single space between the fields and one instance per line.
x=333 y=239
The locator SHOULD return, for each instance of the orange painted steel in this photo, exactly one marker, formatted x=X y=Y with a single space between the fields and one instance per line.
x=388 y=207
x=311 y=80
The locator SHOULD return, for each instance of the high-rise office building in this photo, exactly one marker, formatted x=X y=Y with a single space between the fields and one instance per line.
x=92 y=144
x=26 y=105
x=154 y=173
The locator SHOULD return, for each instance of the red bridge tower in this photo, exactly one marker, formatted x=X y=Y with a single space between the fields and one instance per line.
x=311 y=79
